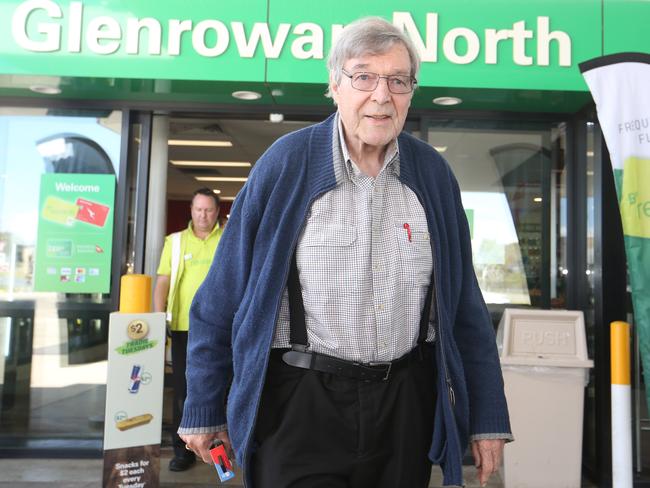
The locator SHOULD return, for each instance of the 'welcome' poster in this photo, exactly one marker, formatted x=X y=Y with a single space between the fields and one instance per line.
x=75 y=233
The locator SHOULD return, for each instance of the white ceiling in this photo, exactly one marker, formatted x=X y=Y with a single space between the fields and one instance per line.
x=472 y=153
x=250 y=138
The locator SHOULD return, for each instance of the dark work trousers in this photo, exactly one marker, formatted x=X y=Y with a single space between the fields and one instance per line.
x=317 y=430
x=179 y=359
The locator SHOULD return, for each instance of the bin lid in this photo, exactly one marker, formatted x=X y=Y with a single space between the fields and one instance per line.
x=543 y=338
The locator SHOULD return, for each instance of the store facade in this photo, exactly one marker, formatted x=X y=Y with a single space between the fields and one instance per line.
x=104 y=87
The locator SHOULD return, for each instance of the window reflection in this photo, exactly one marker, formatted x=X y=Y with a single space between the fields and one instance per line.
x=53 y=365
x=497 y=256
x=513 y=193
x=33 y=145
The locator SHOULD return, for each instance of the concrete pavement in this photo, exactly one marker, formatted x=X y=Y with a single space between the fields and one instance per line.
x=87 y=473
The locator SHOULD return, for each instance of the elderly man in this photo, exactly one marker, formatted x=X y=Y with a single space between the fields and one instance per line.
x=342 y=302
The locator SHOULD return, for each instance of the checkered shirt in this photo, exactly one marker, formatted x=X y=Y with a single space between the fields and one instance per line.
x=364 y=261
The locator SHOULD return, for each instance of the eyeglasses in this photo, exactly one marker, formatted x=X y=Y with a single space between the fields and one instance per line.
x=365 y=81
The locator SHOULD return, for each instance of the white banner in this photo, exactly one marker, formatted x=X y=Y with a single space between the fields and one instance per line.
x=620 y=86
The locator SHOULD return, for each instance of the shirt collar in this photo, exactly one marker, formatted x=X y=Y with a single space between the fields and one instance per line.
x=212 y=232
x=391 y=158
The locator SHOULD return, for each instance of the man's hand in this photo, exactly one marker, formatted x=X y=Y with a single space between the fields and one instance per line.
x=200 y=444
x=487 y=457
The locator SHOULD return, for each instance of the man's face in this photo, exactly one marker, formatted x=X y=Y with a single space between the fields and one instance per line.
x=204 y=213
x=377 y=117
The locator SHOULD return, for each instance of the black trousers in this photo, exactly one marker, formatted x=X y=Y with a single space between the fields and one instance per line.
x=316 y=430
x=179 y=385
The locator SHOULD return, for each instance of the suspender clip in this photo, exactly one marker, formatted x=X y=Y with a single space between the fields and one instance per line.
x=299 y=347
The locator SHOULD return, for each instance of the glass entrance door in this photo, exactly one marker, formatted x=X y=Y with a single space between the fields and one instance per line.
x=513 y=186
x=55 y=273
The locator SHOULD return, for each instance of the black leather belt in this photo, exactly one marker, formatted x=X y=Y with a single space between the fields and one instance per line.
x=379 y=371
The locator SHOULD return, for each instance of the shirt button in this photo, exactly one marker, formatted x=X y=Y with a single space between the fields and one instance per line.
x=380 y=308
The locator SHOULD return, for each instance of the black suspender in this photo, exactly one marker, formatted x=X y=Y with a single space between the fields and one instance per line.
x=298 y=334
x=426 y=313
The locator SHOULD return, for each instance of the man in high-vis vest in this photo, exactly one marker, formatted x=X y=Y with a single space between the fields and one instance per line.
x=184 y=263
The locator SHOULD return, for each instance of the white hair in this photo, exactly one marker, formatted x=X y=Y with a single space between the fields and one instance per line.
x=368 y=36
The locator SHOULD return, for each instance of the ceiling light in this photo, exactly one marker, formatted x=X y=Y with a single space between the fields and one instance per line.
x=45 y=89
x=223 y=164
x=447 y=101
x=440 y=149
x=217 y=191
x=221 y=178
x=227 y=199
x=537 y=199
x=187 y=142
x=246 y=95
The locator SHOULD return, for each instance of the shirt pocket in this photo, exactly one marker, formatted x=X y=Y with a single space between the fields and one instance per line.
x=329 y=234
x=327 y=258
x=414 y=249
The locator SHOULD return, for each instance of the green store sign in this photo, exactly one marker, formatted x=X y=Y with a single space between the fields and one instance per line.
x=484 y=44
x=505 y=44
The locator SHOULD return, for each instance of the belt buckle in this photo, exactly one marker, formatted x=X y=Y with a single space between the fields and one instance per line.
x=383 y=363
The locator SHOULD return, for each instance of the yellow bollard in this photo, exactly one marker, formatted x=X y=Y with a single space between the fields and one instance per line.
x=620 y=347
x=621 y=405
x=135 y=293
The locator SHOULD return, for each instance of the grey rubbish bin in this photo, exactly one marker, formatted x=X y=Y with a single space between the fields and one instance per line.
x=545 y=370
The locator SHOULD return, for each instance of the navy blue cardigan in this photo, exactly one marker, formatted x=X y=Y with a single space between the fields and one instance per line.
x=233 y=315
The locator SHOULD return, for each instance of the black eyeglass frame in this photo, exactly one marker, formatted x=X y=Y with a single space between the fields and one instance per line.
x=412 y=79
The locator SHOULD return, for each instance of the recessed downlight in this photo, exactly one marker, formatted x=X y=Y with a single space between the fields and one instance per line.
x=246 y=95
x=45 y=89
x=447 y=101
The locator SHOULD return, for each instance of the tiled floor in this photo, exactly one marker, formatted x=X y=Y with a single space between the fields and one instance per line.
x=87 y=473
x=84 y=473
